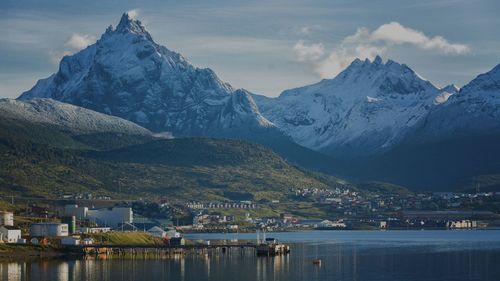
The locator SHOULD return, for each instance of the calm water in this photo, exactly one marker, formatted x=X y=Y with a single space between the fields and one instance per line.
x=345 y=255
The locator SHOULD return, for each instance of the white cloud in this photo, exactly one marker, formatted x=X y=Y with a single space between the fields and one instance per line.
x=55 y=57
x=134 y=13
x=75 y=42
x=79 y=41
x=308 y=53
x=395 y=33
x=366 y=44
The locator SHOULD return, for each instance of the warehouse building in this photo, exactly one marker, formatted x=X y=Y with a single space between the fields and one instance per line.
x=49 y=229
x=111 y=217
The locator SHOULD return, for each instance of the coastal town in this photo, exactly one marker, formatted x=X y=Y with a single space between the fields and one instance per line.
x=83 y=223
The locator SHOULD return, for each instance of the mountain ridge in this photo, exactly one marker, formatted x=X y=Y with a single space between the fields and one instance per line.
x=367 y=106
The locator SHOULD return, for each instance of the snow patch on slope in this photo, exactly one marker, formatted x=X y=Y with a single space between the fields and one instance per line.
x=75 y=119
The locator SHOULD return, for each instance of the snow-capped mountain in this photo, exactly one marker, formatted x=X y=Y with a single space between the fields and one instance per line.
x=473 y=110
x=455 y=145
x=126 y=74
x=67 y=117
x=366 y=109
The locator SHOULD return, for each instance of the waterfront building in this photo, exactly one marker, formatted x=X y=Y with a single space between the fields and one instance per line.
x=111 y=217
x=10 y=234
x=76 y=211
x=311 y=223
x=70 y=241
x=383 y=224
x=446 y=215
x=49 y=229
x=461 y=224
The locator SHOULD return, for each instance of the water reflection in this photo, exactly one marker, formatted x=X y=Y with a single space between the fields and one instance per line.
x=343 y=261
x=12 y=271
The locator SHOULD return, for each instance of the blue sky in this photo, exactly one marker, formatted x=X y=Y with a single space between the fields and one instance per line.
x=263 y=46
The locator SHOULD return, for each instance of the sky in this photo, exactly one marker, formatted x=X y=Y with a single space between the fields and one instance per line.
x=264 y=46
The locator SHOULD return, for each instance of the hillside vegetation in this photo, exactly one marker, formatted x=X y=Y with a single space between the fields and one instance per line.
x=42 y=161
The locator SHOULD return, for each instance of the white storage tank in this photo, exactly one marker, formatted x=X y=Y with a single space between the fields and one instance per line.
x=6 y=218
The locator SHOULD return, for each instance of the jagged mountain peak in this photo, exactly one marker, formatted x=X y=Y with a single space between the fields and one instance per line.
x=376 y=63
x=376 y=73
x=126 y=74
x=129 y=24
x=451 y=88
x=364 y=78
x=359 y=62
